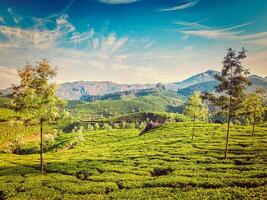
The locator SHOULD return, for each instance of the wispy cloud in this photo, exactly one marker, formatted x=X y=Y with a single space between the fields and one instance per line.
x=118 y=1
x=85 y=55
x=34 y=37
x=63 y=34
x=232 y=33
x=194 y=25
x=186 y=5
x=77 y=37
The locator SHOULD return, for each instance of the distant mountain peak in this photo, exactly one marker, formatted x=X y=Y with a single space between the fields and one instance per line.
x=195 y=79
x=255 y=76
x=211 y=72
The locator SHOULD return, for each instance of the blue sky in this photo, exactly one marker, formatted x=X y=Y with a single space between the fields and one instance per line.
x=130 y=41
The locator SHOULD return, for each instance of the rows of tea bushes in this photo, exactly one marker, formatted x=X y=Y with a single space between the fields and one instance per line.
x=162 y=164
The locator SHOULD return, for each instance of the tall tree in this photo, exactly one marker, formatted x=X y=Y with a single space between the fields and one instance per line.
x=36 y=95
x=196 y=110
x=254 y=107
x=232 y=83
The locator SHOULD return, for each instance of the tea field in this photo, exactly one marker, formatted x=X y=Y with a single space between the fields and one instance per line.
x=162 y=164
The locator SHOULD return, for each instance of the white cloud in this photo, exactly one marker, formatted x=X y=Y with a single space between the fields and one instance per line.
x=40 y=37
x=118 y=1
x=108 y=41
x=95 y=43
x=232 y=33
x=195 y=25
x=180 y=7
x=259 y=39
x=213 y=34
x=118 y=44
x=78 y=55
x=81 y=37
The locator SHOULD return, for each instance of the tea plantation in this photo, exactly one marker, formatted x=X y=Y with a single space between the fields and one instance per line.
x=162 y=164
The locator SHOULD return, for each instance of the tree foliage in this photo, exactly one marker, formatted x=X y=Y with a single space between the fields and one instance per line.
x=36 y=95
x=253 y=107
x=232 y=83
x=196 y=110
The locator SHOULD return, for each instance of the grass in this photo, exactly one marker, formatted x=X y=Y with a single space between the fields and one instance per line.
x=16 y=135
x=7 y=115
x=162 y=164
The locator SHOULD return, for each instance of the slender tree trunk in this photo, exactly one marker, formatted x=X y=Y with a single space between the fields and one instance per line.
x=227 y=136
x=228 y=127
x=41 y=147
x=253 y=126
x=193 y=132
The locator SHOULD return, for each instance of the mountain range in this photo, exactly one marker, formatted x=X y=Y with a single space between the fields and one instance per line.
x=210 y=83
x=202 y=82
x=76 y=90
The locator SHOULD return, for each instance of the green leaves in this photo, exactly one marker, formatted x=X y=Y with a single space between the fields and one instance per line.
x=253 y=106
x=232 y=82
x=195 y=108
x=36 y=94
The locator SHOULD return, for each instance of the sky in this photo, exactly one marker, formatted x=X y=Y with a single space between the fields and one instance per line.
x=130 y=41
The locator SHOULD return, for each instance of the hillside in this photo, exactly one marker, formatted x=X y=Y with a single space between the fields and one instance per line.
x=119 y=164
x=209 y=86
x=258 y=82
x=106 y=108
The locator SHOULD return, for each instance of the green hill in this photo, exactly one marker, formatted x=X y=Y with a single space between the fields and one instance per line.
x=162 y=164
x=111 y=108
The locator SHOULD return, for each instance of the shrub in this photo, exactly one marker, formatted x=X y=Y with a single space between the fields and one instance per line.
x=96 y=126
x=83 y=175
x=107 y=127
x=123 y=124
x=90 y=127
x=142 y=125
x=130 y=125
x=116 y=126
x=80 y=129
